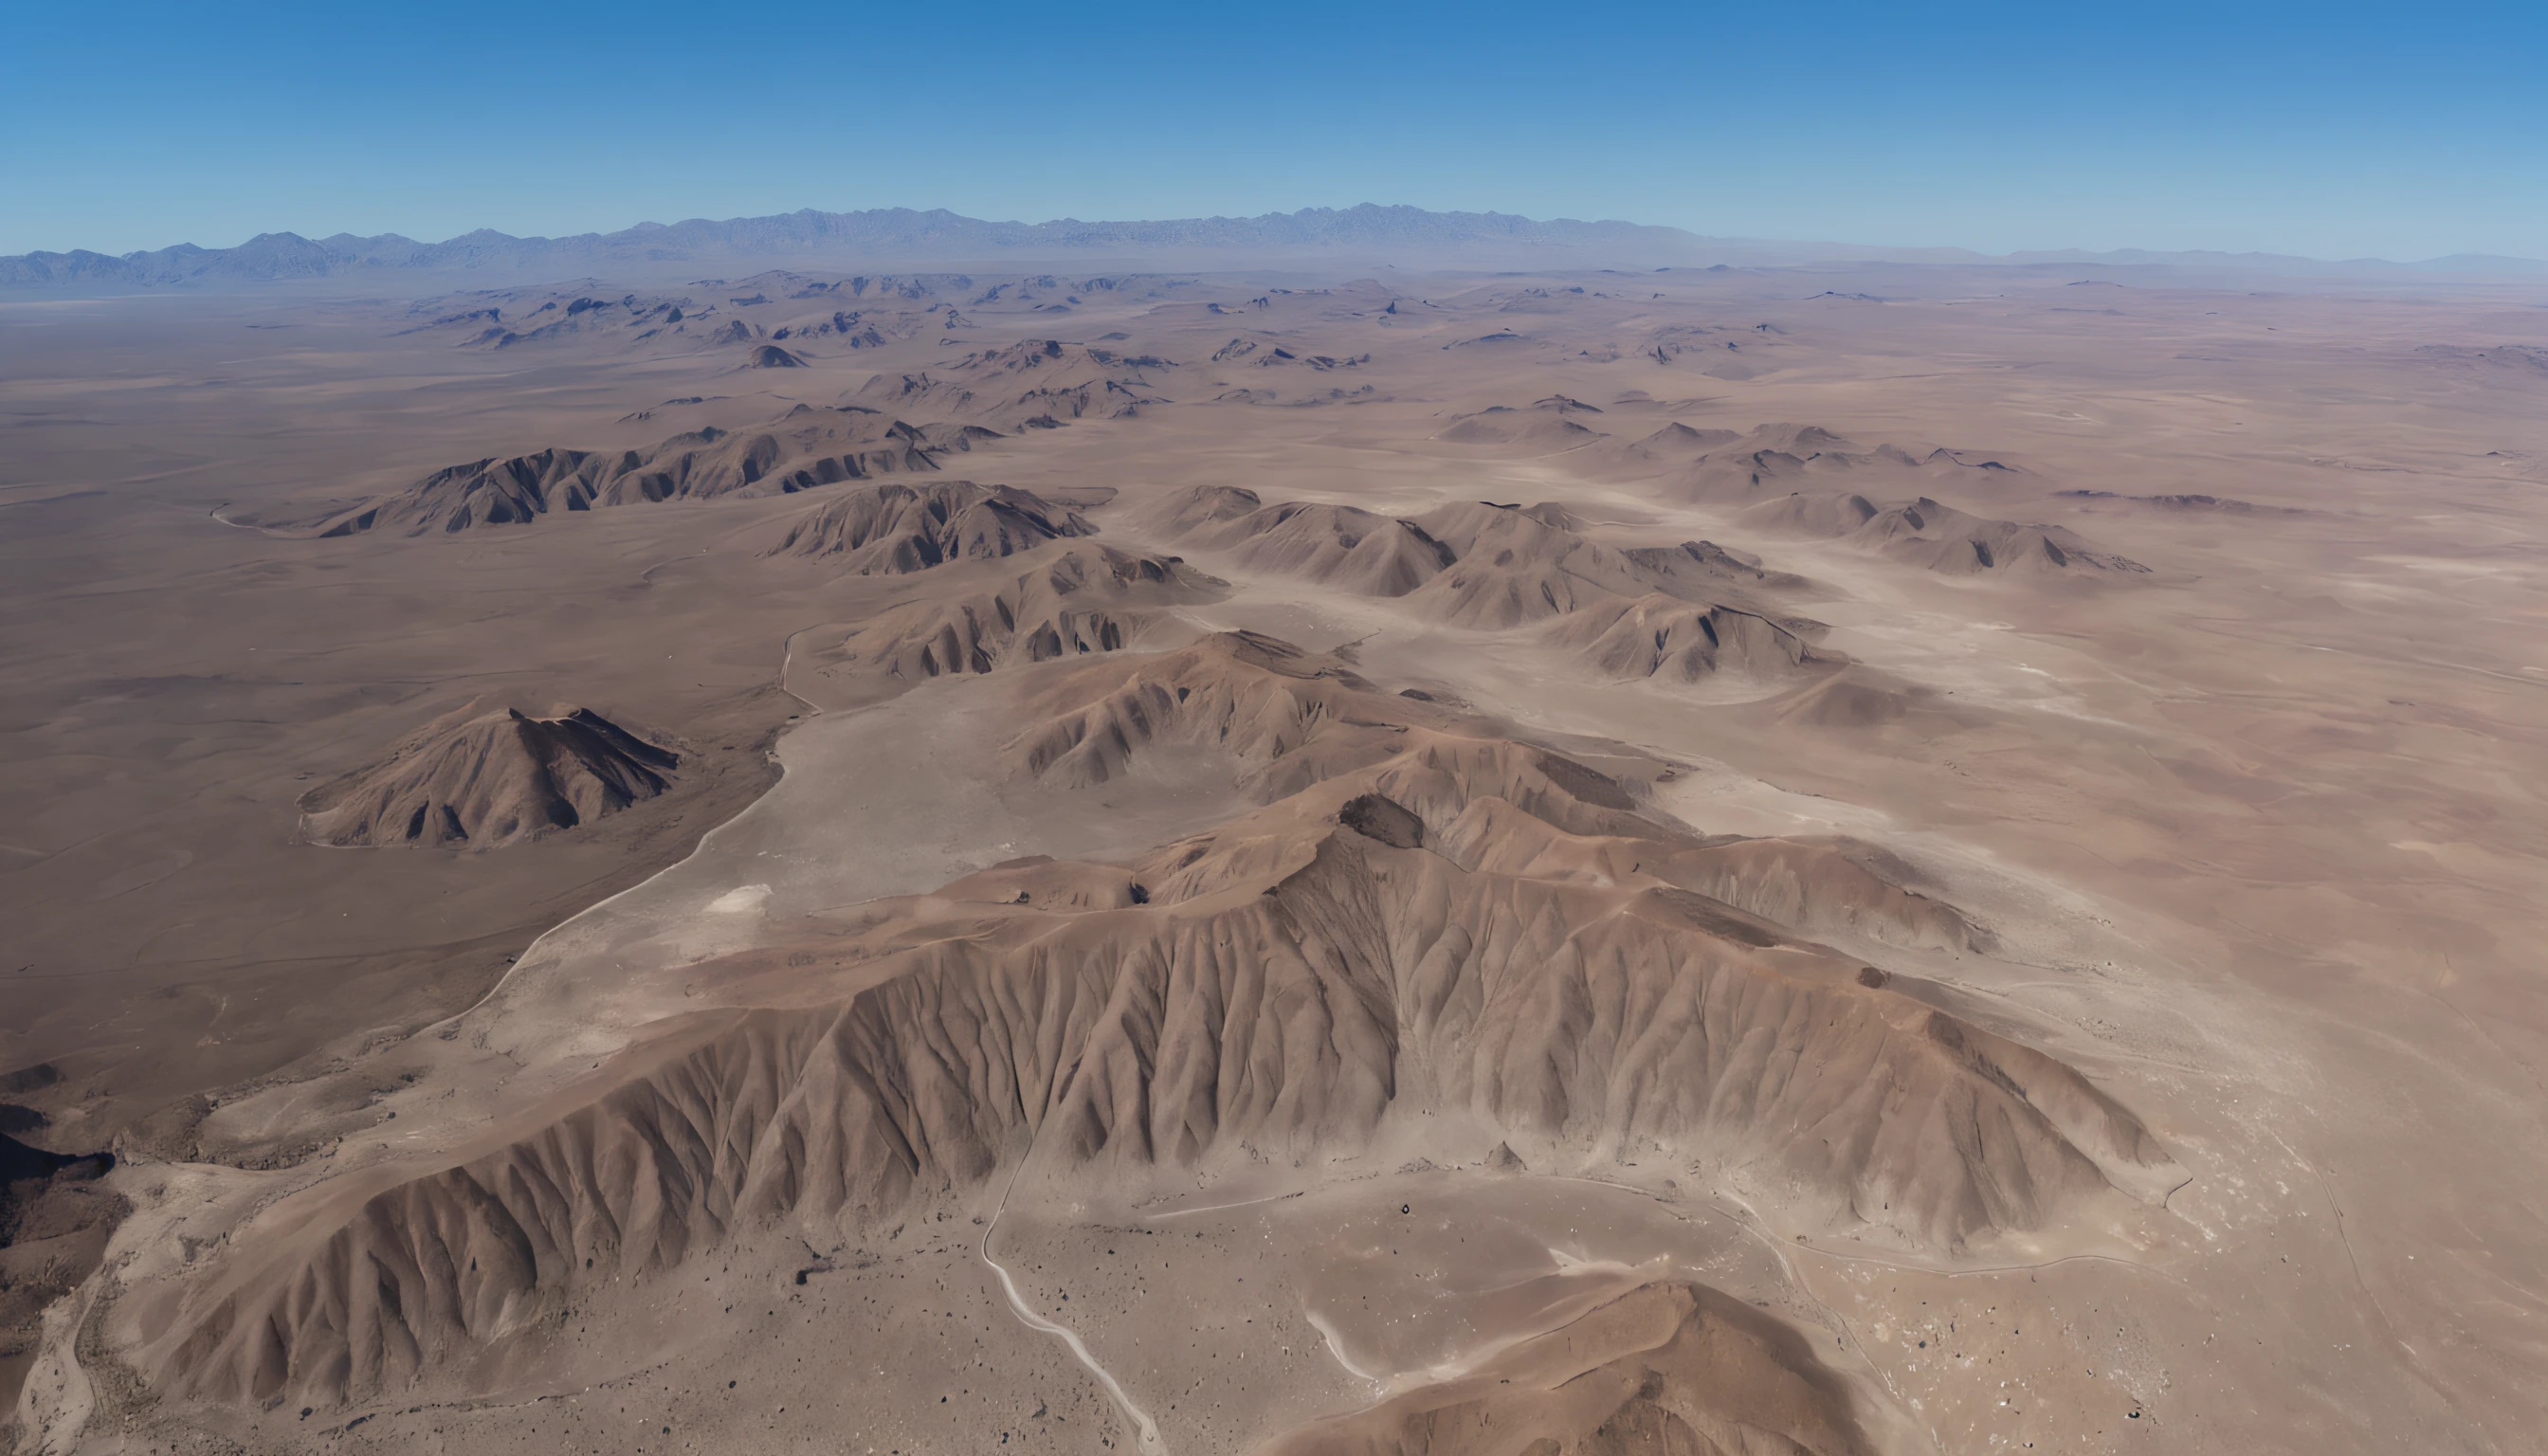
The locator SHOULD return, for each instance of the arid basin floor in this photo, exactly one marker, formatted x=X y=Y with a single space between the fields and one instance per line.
x=1499 y=863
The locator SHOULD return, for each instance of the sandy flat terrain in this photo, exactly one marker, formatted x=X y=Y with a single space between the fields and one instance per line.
x=1910 y=860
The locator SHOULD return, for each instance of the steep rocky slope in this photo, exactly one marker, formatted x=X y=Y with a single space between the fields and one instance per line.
x=1422 y=920
x=1035 y=384
x=1937 y=537
x=1671 y=1368
x=893 y=529
x=484 y=781
x=1079 y=601
x=804 y=449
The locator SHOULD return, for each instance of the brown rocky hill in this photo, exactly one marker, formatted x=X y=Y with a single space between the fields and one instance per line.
x=1937 y=537
x=804 y=449
x=484 y=781
x=1718 y=465
x=1663 y=1368
x=1032 y=384
x=1341 y=546
x=1543 y=428
x=1084 y=600
x=1660 y=636
x=1278 y=987
x=1680 y=612
x=896 y=528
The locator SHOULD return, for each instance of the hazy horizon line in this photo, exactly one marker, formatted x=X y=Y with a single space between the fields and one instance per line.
x=1509 y=228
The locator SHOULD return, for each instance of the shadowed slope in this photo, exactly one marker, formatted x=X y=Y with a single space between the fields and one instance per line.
x=1341 y=546
x=802 y=450
x=1659 y=636
x=1542 y=429
x=1096 y=599
x=1937 y=537
x=1718 y=465
x=1275 y=990
x=1038 y=384
x=1518 y=566
x=1470 y=563
x=486 y=782
x=1665 y=1370
x=1673 y=612
x=896 y=528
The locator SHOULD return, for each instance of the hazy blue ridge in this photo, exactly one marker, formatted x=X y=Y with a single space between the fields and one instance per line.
x=905 y=236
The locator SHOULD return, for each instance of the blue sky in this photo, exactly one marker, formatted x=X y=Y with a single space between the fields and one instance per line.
x=2333 y=130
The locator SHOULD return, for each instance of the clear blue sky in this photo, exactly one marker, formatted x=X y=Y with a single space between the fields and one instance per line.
x=2333 y=130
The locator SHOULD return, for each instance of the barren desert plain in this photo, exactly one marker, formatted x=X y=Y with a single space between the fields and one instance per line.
x=1839 y=859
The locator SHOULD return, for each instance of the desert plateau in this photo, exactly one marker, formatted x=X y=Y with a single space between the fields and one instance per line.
x=1274 y=854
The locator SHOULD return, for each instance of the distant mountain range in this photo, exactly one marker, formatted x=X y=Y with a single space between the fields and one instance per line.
x=1409 y=237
